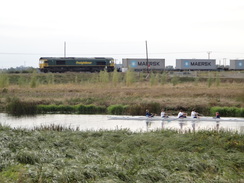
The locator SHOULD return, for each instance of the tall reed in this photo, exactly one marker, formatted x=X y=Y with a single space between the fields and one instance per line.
x=175 y=80
x=16 y=107
x=115 y=77
x=4 y=80
x=34 y=80
x=130 y=77
x=104 y=77
x=164 y=78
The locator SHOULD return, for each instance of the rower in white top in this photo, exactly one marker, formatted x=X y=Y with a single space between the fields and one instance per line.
x=181 y=114
x=163 y=114
x=194 y=114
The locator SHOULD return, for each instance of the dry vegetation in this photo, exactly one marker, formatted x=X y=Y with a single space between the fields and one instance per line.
x=184 y=95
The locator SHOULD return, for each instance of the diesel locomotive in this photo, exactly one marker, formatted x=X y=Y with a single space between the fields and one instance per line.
x=76 y=64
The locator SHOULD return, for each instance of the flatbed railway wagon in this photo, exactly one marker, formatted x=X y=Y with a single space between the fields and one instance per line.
x=76 y=64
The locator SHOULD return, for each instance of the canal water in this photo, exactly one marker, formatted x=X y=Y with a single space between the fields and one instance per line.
x=101 y=122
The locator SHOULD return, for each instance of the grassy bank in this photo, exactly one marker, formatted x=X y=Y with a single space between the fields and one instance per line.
x=15 y=107
x=56 y=154
x=134 y=90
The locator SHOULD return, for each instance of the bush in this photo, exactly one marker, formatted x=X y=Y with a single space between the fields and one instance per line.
x=90 y=109
x=63 y=109
x=228 y=111
x=140 y=109
x=18 y=108
x=68 y=109
x=117 y=109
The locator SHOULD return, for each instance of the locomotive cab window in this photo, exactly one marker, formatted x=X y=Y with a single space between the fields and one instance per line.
x=60 y=62
x=43 y=61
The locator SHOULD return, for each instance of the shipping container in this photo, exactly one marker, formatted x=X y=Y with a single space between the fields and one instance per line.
x=236 y=64
x=195 y=64
x=140 y=64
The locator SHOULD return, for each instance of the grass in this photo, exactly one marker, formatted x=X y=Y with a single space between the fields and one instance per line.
x=57 y=154
x=107 y=89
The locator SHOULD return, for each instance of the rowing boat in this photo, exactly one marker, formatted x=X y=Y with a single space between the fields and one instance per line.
x=173 y=118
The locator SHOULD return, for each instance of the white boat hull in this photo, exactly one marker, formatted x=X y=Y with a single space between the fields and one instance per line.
x=144 y=118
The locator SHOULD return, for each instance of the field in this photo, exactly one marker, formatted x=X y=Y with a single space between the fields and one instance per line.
x=62 y=155
x=55 y=154
x=172 y=92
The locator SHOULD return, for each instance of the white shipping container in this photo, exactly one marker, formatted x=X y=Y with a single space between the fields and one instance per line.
x=139 y=64
x=236 y=64
x=196 y=64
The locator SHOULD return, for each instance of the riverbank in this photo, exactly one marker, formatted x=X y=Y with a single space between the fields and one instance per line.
x=65 y=155
x=162 y=90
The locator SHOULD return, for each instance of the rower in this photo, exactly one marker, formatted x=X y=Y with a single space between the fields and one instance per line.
x=163 y=114
x=217 y=115
x=194 y=114
x=148 y=114
x=181 y=114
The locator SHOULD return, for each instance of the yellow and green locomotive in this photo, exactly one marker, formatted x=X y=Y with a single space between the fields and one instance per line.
x=76 y=64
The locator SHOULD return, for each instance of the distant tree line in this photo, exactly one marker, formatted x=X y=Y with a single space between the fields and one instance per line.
x=21 y=69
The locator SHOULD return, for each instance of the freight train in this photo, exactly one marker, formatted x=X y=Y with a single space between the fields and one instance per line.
x=138 y=64
x=97 y=64
x=76 y=64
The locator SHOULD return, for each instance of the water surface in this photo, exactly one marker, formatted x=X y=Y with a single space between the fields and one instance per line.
x=101 y=122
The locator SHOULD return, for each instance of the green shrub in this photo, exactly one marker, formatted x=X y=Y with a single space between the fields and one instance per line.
x=62 y=109
x=228 y=111
x=16 y=107
x=140 y=109
x=90 y=109
x=68 y=109
x=117 y=109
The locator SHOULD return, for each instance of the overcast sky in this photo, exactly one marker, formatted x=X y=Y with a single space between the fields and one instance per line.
x=174 y=29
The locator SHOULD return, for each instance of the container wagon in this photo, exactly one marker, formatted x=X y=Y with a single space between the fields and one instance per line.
x=196 y=64
x=236 y=65
x=76 y=64
x=140 y=64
